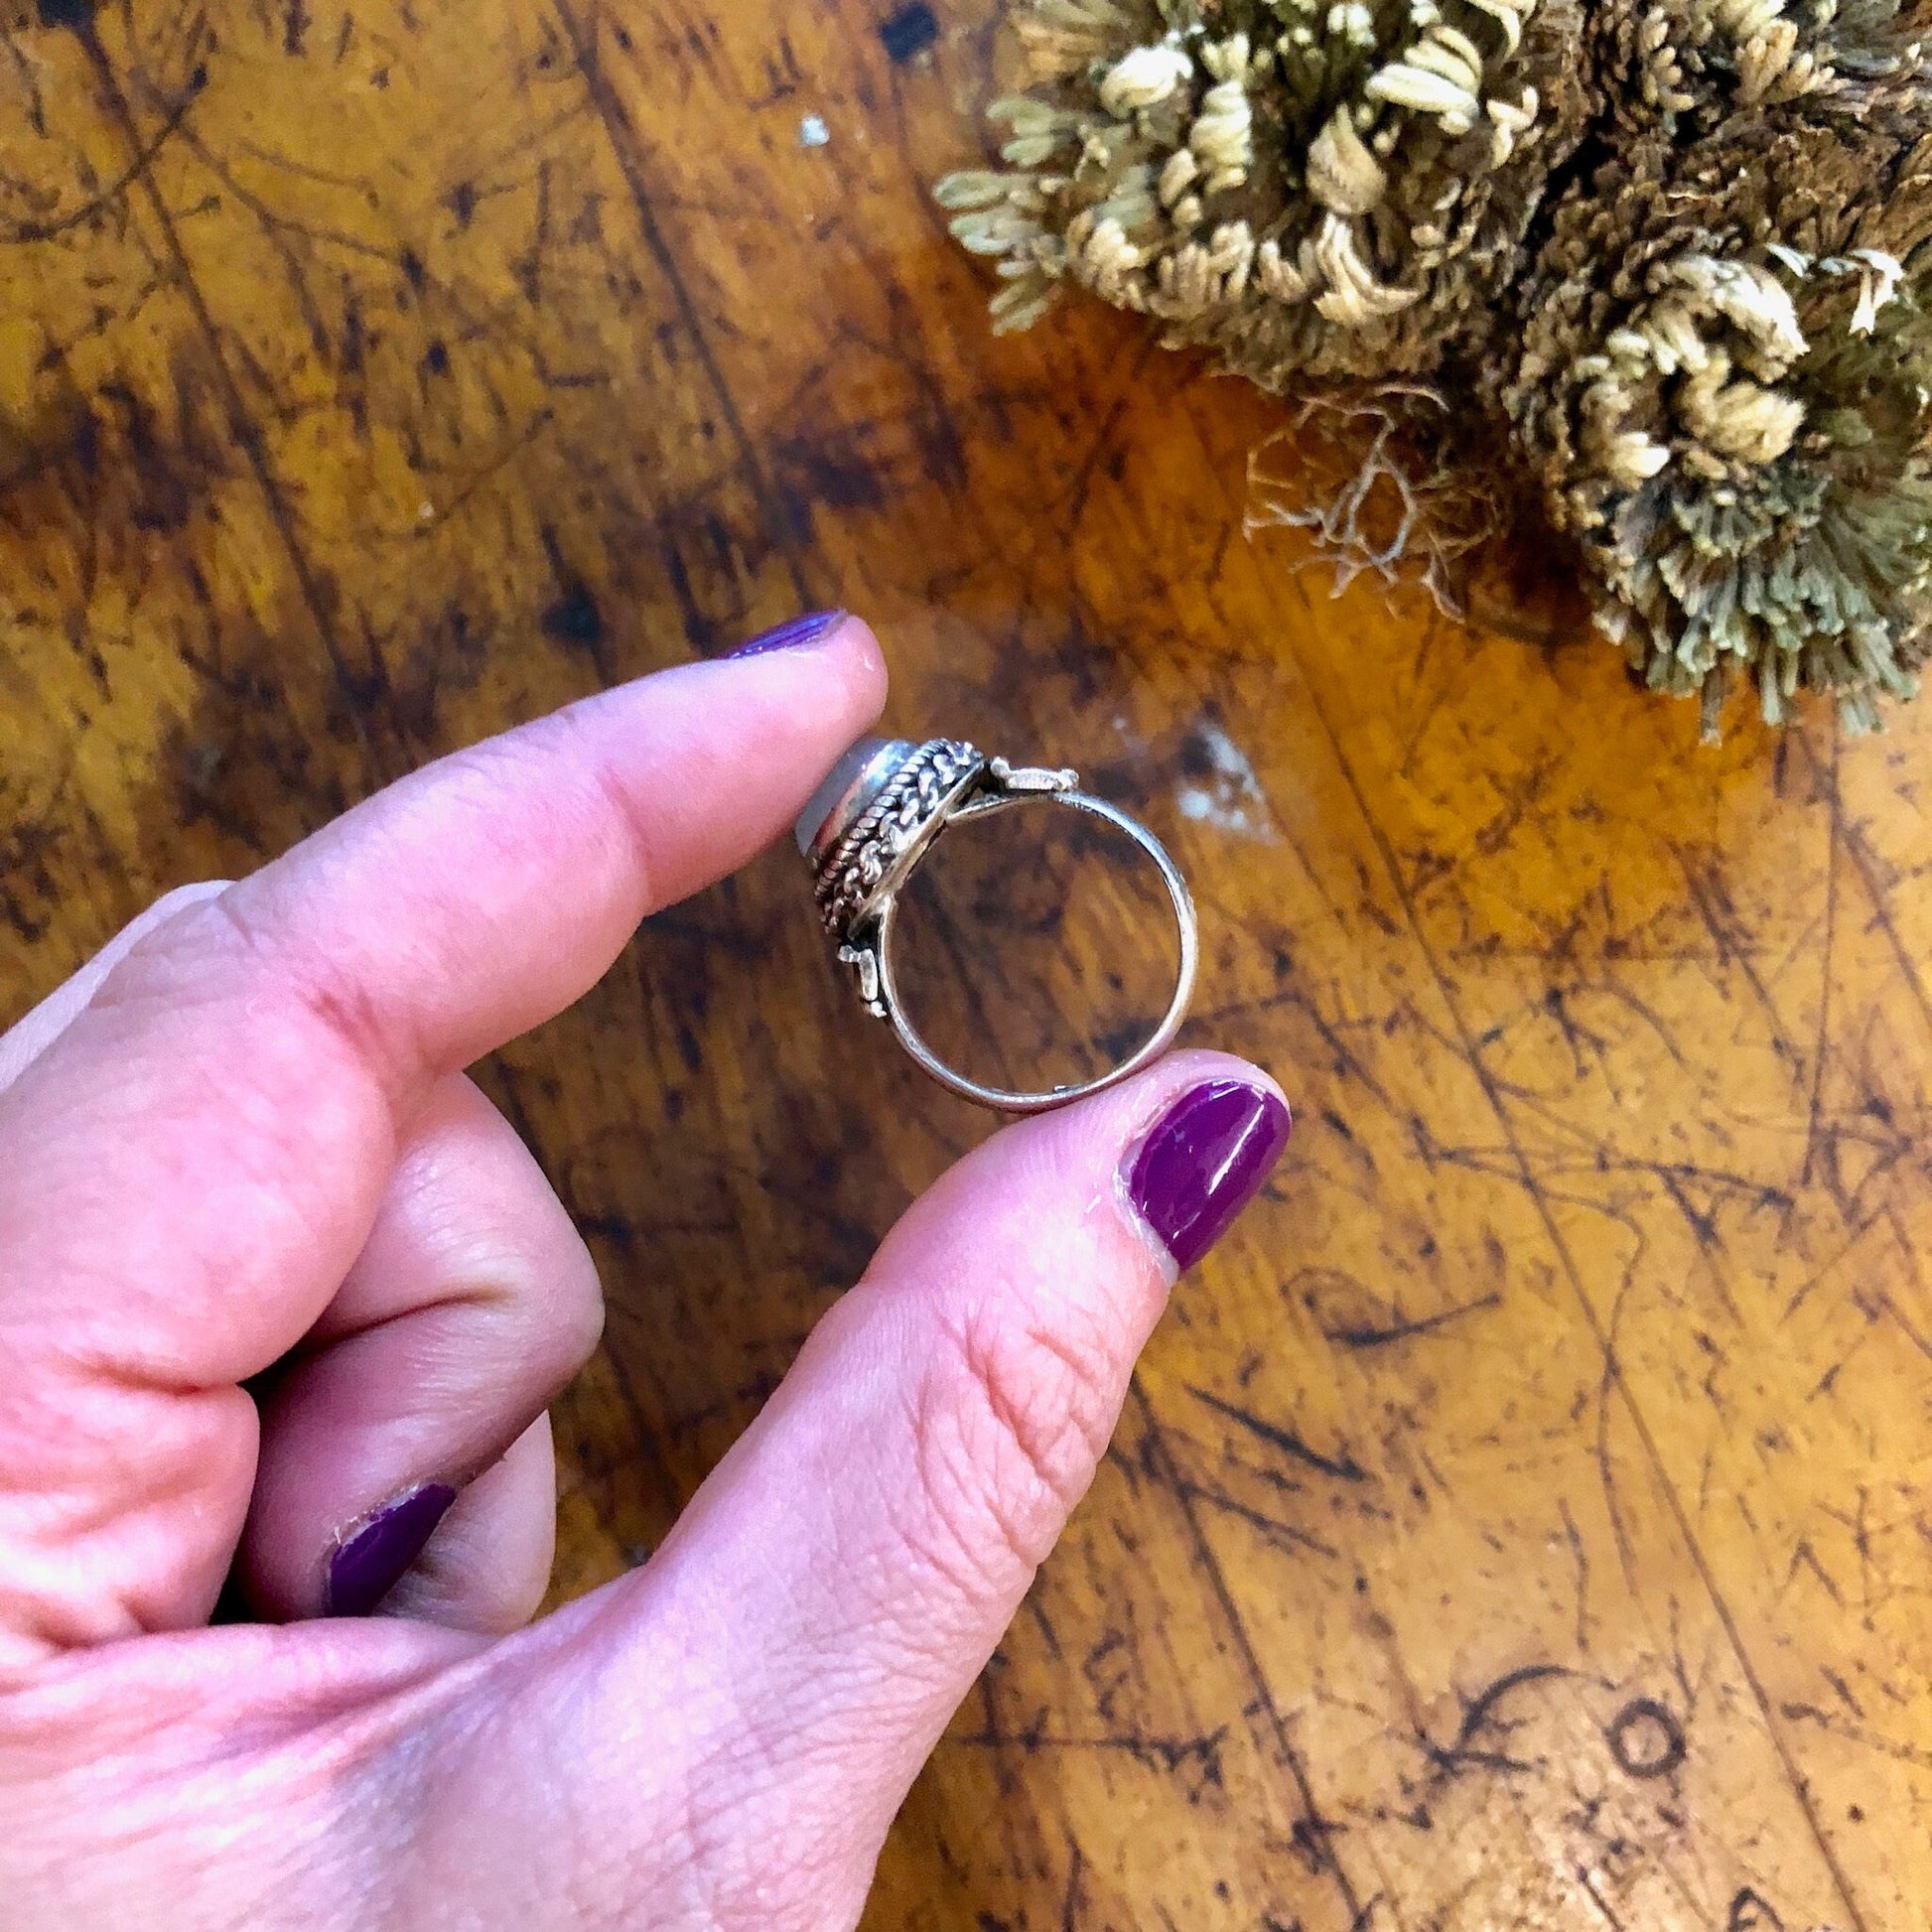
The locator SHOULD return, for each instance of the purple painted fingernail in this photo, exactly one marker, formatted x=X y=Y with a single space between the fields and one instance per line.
x=808 y=630
x=1200 y=1165
x=369 y=1561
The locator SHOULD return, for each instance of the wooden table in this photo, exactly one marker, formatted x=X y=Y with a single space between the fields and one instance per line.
x=1523 y=1519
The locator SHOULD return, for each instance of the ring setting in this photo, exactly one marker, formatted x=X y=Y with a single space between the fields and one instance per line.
x=879 y=812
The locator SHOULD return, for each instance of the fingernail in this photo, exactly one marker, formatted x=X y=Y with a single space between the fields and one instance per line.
x=808 y=630
x=1200 y=1165
x=369 y=1563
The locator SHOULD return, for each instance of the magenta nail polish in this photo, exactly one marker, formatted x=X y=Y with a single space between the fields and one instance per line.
x=1202 y=1162
x=369 y=1561
x=808 y=630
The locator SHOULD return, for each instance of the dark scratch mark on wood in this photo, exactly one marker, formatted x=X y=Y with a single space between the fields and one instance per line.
x=1647 y=1739
x=1799 y=1712
x=137 y=171
x=1588 y=1880
x=1161 y=1465
x=1158 y=1753
x=1814 y=1112
x=317 y=595
x=1843 y=1689
x=1403 y=1331
x=1805 y=1557
x=625 y=149
x=1477 y=1061
x=1284 y=1535
x=1581 y=1556
x=1720 y=917
x=1480 y=1714
x=1343 y=1470
x=1750 y=1911
x=1871 y=871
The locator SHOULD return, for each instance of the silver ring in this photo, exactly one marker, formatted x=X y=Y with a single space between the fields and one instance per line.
x=876 y=816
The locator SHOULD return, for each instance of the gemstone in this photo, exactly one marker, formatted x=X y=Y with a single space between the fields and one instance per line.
x=848 y=788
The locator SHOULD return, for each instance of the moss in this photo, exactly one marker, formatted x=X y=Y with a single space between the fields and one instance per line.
x=1656 y=269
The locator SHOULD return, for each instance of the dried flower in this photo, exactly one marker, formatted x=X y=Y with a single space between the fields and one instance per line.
x=1659 y=264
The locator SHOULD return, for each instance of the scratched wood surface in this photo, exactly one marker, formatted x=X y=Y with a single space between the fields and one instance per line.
x=1522 y=1521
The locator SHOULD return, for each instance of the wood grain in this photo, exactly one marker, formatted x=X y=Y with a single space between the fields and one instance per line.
x=1522 y=1519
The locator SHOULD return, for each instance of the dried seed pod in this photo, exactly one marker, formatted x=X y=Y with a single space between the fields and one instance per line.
x=1142 y=78
x=1342 y=174
x=1698 y=345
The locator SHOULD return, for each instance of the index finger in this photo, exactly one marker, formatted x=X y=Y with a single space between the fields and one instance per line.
x=193 y=1164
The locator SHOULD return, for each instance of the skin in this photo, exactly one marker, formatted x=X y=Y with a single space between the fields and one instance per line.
x=243 y=1134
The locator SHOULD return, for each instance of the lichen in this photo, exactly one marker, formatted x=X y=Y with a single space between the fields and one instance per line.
x=1654 y=269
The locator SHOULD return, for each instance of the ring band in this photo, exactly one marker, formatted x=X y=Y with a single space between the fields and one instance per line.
x=873 y=820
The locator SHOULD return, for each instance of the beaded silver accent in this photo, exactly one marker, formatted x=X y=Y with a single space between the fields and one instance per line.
x=864 y=832
x=915 y=795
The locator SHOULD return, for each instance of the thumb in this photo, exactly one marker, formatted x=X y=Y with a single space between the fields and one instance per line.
x=742 y=1718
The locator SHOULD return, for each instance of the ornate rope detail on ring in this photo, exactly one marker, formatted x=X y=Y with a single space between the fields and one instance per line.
x=851 y=872
x=869 y=824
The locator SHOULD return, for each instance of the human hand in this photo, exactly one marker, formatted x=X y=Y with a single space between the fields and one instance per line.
x=242 y=1137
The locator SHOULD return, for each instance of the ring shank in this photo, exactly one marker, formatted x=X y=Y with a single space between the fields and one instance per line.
x=1156 y=1043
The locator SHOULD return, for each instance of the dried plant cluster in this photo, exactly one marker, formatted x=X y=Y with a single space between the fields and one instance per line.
x=1650 y=270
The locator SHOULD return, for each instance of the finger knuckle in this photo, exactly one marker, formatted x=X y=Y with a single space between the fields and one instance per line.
x=524 y=1267
x=182 y=898
x=577 y=1317
x=1018 y=1411
x=303 y=994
